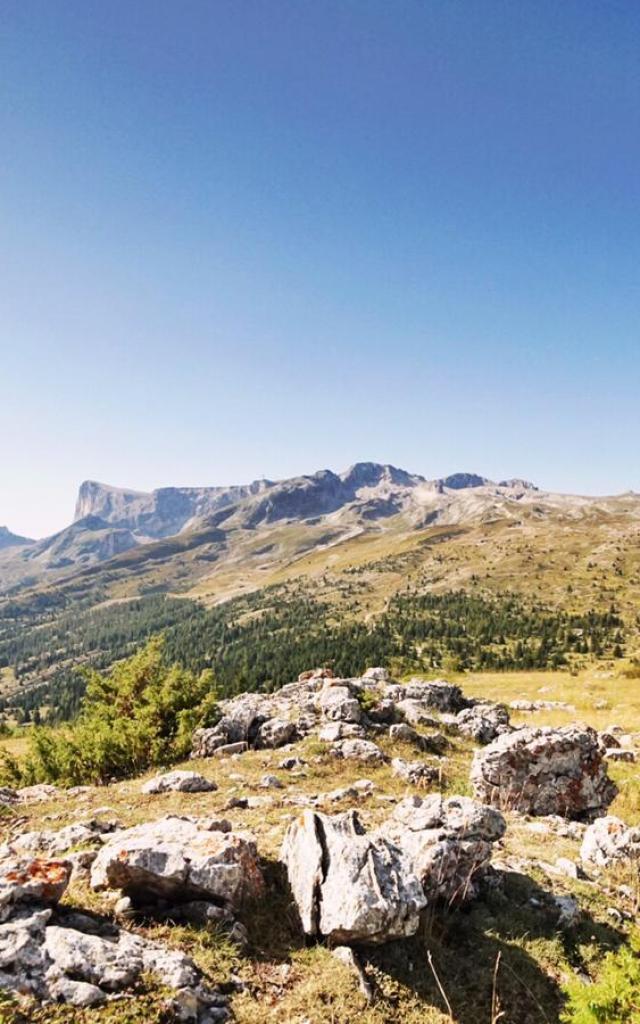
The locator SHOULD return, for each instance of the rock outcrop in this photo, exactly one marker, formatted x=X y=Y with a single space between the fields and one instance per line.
x=545 y=771
x=483 y=722
x=55 y=955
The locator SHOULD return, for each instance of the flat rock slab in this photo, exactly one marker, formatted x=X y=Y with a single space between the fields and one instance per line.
x=87 y=833
x=175 y=859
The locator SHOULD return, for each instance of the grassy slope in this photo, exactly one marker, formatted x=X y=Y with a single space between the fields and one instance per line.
x=290 y=983
x=597 y=556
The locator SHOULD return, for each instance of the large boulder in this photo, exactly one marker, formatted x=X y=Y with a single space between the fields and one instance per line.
x=174 y=858
x=608 y=840
x=240 y=723
x=376 y=675
x=438 y=694
x=349 y=887
x=415 y=712
x=544 y=771
x=483 y=722
x=338 y=704
x=435 y=743
x=276 y=732
x=358 y=750
x=178 y=781
x=448 y=842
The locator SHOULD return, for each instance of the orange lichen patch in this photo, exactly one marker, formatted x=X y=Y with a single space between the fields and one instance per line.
x=48 y=872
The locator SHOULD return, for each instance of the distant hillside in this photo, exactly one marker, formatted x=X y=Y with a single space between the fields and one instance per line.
x=315 y=510
x=11 y=540
x=342 y=563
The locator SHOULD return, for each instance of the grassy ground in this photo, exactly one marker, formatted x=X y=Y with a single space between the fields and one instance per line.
x=506 y=947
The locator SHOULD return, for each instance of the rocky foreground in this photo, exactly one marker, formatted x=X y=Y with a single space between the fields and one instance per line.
x=363 y=863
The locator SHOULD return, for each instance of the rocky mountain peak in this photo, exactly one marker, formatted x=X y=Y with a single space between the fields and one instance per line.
x=517 y=484
x=460 y=481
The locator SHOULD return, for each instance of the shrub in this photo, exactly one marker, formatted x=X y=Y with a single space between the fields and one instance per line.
x=368 y=699
x=140 y=714
x=614 y=998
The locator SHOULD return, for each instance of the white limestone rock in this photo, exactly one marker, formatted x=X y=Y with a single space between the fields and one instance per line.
x=609 y=840
x=179 y=781
x=174 y=858
x=448 y=842
x=349 y=887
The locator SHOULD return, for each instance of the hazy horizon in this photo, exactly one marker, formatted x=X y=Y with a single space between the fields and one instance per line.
x=246 y=240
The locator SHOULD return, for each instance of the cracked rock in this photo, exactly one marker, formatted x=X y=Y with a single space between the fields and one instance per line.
x=350 y=887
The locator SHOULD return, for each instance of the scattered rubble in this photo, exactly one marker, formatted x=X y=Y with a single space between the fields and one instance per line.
x=57 y=956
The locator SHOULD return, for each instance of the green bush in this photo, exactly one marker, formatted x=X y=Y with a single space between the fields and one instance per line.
x=140 y=714
x=614 y=998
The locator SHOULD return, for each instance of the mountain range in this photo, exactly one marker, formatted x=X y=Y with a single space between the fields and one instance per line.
x=111 y=520
x=216 y=542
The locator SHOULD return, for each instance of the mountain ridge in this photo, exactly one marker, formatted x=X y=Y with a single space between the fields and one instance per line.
x=182 y=536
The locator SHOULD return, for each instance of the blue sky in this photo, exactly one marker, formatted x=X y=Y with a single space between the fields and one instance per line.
x=270 y=236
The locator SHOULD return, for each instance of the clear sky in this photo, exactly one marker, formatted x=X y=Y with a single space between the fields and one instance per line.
x=264 y=237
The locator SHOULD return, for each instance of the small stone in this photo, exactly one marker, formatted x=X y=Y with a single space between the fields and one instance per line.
x=270 y=782
x=291 y=764
x=229 y=749
x=124 y=907
x=178 y=782
x=358 y=750
x=568 y=867
x=415 y=772
x=569 y=911
x=618 y=754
